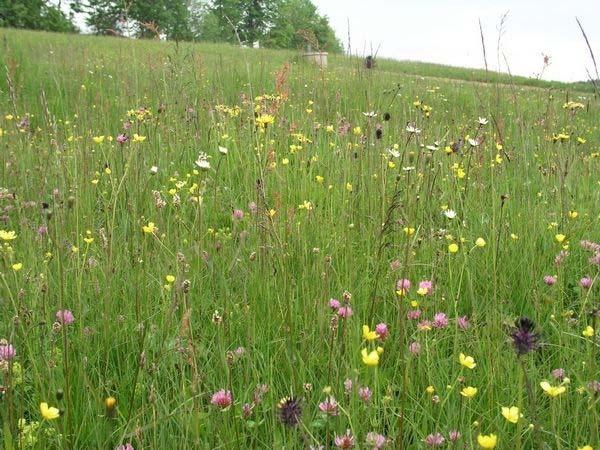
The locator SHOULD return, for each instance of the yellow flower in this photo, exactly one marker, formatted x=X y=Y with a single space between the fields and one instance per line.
x=370 y=359
x=348 y=187
x=469 y=392
x=480 y=242
x=573 y=214
x=467 y=361
x=319 y=179
x=7 y=235
x=453 y=248
x=98 y=139
x=511 y=413
x=138 y=138
x=170 y=278
x=552 y=391
x=49 y=412
x=430 y=390
x=585 y=447
x=367 y=334
x=110 y=403
x=588 y=332
x=17 y=266
x=560 y=238
x=150 y=228
x=409 y=231
x=487 y=441
x=265 y=119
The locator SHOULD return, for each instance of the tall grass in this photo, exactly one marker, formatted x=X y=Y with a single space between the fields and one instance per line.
x=184 y=281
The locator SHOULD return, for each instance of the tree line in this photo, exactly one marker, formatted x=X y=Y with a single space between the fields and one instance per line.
x=274 y=23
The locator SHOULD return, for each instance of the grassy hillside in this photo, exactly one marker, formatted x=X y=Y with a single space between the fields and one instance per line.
x=195 y=237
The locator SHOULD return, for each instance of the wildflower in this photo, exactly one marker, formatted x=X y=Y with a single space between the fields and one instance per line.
x=382 y=331
x=473 y=142
x=523 y=336
x=170 y=279
x=453 y=248
x=265 y=119
x=334 y=304
x=17 y=266
x=49 y=412
x=468 y=392
x=425 y=287
x=414 y=348
x=126 y=446
x=370 y=359
x=585 y=447
x=550 y=280
x=138 y=138
x=223 y=150
x=345 y=440
x=424 y=325
x=467 y=361
x=150 y=228
x=98 y=139
x=369 y=335
x=65 y=317
x=365 y=394
x=440 y=320
x=375 y=441
x=222 y=399
x=7 y=352
x=480 y=242
x=7 y=235
x=435 y=440
x=487 y=441
x=347 y=385
x=454 y=435
x=585 y=282
x=402 y=286
x=122 y=138
x=449 y=213
x=511 y=414
x=559 y=238
x=558 y=374
x=289 y=411
x=482 y=121
x=409 y=231
x=329 y=407
x=588 y=331
x=552 y=391
x=413 y=314
x=462 y=322
x=430 y=389
x=237 y=214
x=202 y=162
x=345 y=312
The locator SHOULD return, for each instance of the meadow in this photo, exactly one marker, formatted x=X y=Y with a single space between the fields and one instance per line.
x=211 y=247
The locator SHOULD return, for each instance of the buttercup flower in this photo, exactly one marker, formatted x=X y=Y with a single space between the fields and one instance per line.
x=467 y=361
x=49 y=412
x=552 y=391
x=487 y=441
x=511 y=414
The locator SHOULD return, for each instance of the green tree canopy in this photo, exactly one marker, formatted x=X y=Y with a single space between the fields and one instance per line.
x=35 y=15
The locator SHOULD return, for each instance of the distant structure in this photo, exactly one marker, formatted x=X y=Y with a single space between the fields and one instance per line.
x=369 y=62
x=318 y=58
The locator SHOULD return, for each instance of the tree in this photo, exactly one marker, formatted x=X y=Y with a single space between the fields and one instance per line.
x=146 y=17
x=295 y=20
x=35 y=15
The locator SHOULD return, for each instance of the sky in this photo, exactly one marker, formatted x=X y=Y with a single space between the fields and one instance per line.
x=447 y=32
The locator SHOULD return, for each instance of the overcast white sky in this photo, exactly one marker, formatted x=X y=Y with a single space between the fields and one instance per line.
x=447 y=32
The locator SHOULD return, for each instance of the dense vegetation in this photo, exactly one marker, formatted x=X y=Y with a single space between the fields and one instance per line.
x=204 y=246
x=288 y=24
